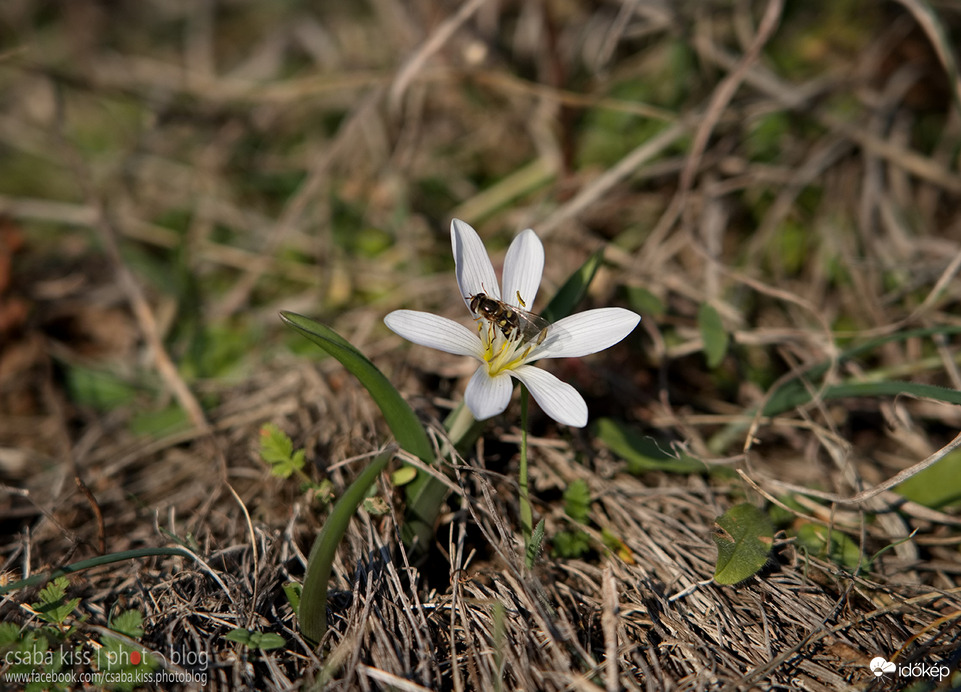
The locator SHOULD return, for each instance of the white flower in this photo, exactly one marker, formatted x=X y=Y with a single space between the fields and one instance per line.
x=505 y=349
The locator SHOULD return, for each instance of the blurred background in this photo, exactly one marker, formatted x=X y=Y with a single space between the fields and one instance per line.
x=770 y=183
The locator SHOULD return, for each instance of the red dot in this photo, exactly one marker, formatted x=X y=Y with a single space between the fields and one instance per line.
x=135 y=658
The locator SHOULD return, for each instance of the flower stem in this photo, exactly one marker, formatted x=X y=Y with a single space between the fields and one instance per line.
x=527 y=516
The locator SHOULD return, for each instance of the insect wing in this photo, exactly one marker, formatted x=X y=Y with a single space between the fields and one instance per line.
x=532 y=326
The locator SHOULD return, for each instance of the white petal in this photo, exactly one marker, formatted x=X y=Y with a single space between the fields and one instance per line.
x=435 y=331
x=557 y=399
x=472 y=267
x=487 y=396
x=587 y=332
x=523 y=267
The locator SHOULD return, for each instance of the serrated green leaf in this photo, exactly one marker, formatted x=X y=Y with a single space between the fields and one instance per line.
x=743 y=536
x=936 y=486
x=275 y=445
x=129 y=622
x=9 y=633
x=641 y=452
x=277 y=449
x=52 y=592
x=577 y=501
x=292 y=592
x=713 y=334
x=53 y=606
x=570 y=544
x=535 y=545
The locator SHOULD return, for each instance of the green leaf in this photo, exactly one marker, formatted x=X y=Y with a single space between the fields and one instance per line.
x=98 y=561
x=641 y=452
x=425 y=494
x=838 y=547
x=292 y=592
x=573 y=290
x=99 y=389
x=788 y=398
x=52 y=592
x=239 y=635
x=797 y=392
x=399 y=416
x=129 y=622
x=9 y=633
x=256 y=640
x=53 y=606
x=403 y=475
x=275 y=445
x=644 y=302
x=743 y=536
x=713 y=334
x=936 y=486
x=277 y=449
x=535 y=545
x=313 y=597
x=266 y=640
x=376 y=505
x=577 y=501
x=570 y=544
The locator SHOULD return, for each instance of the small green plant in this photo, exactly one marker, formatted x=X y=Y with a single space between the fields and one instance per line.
x=53 y=606
x=50 y=653
x=827 y=543
x=577 y=501
x=277 y=449
x=31 y=657
x=122 y=664
x=255 y=640
x=571 y=544
x=577 y=505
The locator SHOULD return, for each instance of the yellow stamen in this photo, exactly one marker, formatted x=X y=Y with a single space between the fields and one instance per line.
x=502 y=353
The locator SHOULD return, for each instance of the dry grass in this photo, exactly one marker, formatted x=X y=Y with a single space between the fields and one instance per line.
x=173 y=174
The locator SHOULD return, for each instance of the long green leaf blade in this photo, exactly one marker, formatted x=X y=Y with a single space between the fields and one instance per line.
x=313 y=597
x=794 y=392
x=399 y=416
x=574 y=289
x=426 y=493
x=789 y=398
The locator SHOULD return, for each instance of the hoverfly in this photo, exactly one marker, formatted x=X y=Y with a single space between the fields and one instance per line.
x=509 y=319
